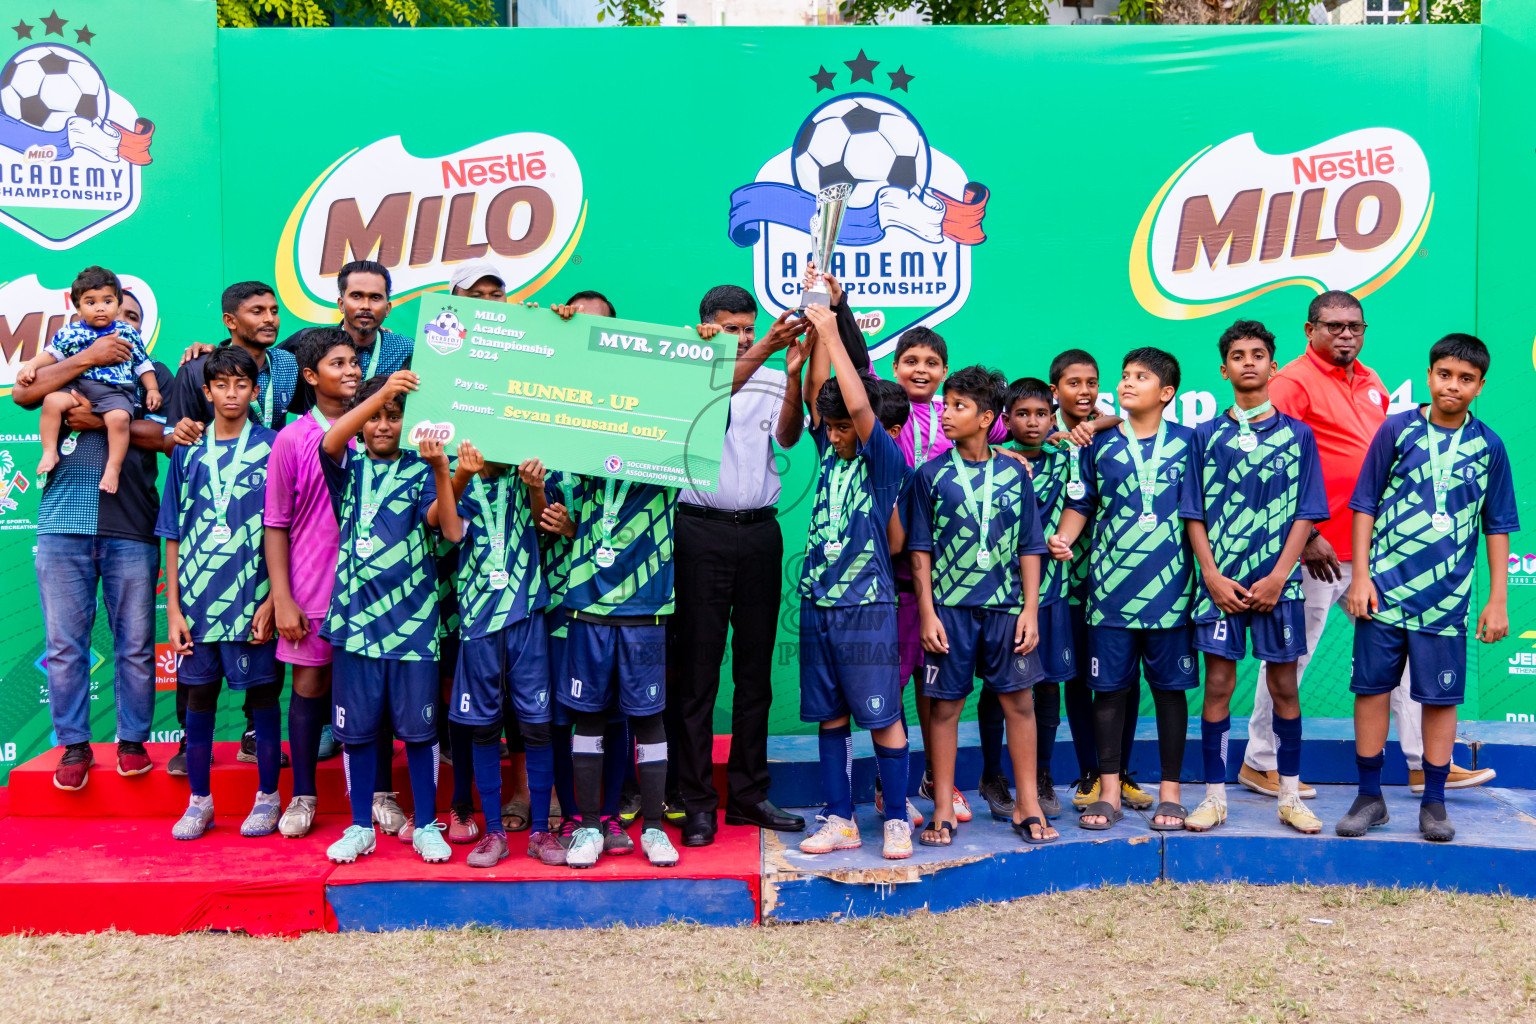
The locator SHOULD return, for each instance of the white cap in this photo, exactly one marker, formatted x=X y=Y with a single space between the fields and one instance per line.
x=468 y=273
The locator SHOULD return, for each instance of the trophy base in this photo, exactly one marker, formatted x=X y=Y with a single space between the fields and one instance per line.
x=816 y=297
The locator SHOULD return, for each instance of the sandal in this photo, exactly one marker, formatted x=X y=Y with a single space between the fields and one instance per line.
x=1022 y=828
x=945 y=828
x=1169 y=809
x=516 y=811
x=1100 y=809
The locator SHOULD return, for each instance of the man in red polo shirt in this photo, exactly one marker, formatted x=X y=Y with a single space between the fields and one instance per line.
x=1343 y=401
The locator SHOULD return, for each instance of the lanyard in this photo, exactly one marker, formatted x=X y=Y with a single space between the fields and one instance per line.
x=266 y=397
x=1075 y=488
x=920 y=450
x=325 y=424
x=223 y=484
x=1146 y=469
x=368 y=509
x=839 y=484
x=365 y=356
x=1247 y=440
x=981 y=510
x=495 y=520
x=1440 y=472
x=613 y=500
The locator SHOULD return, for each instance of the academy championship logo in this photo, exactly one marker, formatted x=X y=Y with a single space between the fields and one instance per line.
x=70 y=165
x=515 y=200
x=904 y=252
x=444 y=333
x=1236 y=222
x=31 y=314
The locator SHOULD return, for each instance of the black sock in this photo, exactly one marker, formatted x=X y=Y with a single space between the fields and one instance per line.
x=587 y=767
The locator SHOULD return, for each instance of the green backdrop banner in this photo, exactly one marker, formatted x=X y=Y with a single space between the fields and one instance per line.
x=1020 y=190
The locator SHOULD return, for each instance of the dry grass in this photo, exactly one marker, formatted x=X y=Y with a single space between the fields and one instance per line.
x=1172 y=953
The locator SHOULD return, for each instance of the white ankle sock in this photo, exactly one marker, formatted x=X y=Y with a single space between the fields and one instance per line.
x=201 y=802
x=1216 y=791
x=1290 y=785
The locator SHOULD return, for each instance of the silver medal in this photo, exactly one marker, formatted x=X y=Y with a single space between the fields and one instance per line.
x=983 y=558
x=68 y=447
x=1076 y=489
x=220 y=534
x=1148 y=521
x=603 y=557
x=499 y=579
x=1247 y=442
x=1441 y=521
x=832 y=549
x=364 y=547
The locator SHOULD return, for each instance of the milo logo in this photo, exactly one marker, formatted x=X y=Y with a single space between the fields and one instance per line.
x=426 y=430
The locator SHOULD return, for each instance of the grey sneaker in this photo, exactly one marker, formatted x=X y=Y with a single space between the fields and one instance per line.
x=195 y=820
x=1364 y=814
x=586 y=847
x=387 y=813
x=298 y=818
x=1045 y=788
x=658 y=848
x=262 y=821
x=1434 y=823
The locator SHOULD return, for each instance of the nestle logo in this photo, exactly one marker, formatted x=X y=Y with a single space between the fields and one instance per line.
x=494 y=169
x=1343 y=165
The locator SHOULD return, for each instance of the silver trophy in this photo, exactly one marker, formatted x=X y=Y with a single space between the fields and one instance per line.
x=826 y=222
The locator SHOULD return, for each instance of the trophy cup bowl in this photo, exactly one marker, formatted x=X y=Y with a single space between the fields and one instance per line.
x=826 y=222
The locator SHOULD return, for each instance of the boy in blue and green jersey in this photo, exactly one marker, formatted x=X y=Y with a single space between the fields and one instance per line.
x=1252 y=494
x=1141 y=580
x=384 y=613
x=1433 y=478
x=218 y=605
x=848 y=637
x=976 y=544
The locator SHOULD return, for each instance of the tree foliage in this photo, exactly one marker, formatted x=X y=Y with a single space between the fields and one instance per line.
x=951 y=12
x=1447 y=12
x=631 y=13
x=1201 y=12
x=384 y=13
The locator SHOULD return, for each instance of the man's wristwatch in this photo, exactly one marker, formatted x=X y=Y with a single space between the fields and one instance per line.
x=1314 y=535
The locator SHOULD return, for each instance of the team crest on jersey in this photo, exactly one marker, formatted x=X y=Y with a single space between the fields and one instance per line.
x=651 y=691
x=911 y=221
x=73 y=164
x=875 y=704
x=245 y=663
x=542 y=698
x=426 y=712
x=1447 y=679
x=1186 y=663
x=1066 y=655
x=1287 y=636
x=1021 y=664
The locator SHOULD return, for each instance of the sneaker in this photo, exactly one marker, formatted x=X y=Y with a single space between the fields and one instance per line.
x=674 y=811
x=1459 y=778
x=924 y=788
x=1296 y=815
x=490 y=851
x=914 y=815
x=262 y=821
x=178 y=763
x=658 y=848
x=616 y=842
x=132 y=758
x=329 y=748
x=1434 y=824
x=1268 y=783
x=462 y=827
x=299 y=817
x=962 y=807
x=247 y=754
x=546 y=846
x=835 y=834
x=898 y=840
x=407 y=831
x=1364 y=814
x=74 y=767
x=195 y=820
x=629 y=804
x=994 y=790
x=428 y=841
x=355 y=842
x=1045 y=790
x=387 y=813
x=586 y=846
x=1132 y=795
x=1087 y=792
x=1208 y=815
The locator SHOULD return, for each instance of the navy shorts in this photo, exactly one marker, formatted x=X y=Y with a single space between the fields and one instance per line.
x=1115 y=654
x=1279 y=635
x=240 y=664
x=364 y=689
x=514 y=659
x=602 y=662
x=1060 y=657
x=980 y=644
x=849 y=661
x=1437 y=665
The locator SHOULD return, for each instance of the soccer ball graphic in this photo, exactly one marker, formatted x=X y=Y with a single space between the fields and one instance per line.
x=46 y=85
x=865 y=141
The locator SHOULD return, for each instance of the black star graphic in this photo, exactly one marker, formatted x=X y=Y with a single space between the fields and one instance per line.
x=84 y=35
x=53 y=24
x=23 y=30
x=863 y=68
x=900 y=78
x=823 y=78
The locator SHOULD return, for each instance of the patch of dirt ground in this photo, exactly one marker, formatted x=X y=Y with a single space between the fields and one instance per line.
x=1172 y=953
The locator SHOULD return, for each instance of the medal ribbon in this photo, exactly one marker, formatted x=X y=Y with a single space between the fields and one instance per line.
x=981 y=510
x=920 y=450
x=1146 y=469
x=495 y=521
x=1245 y=417
x=368 y=509
x=1074 y=466
x=266 y=397
x=1440 y=472
x=839 y=483
x=611 y=506
x=325 y=424
x=223 y=485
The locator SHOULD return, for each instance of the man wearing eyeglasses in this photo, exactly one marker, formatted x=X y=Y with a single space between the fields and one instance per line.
x=1344 y=402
